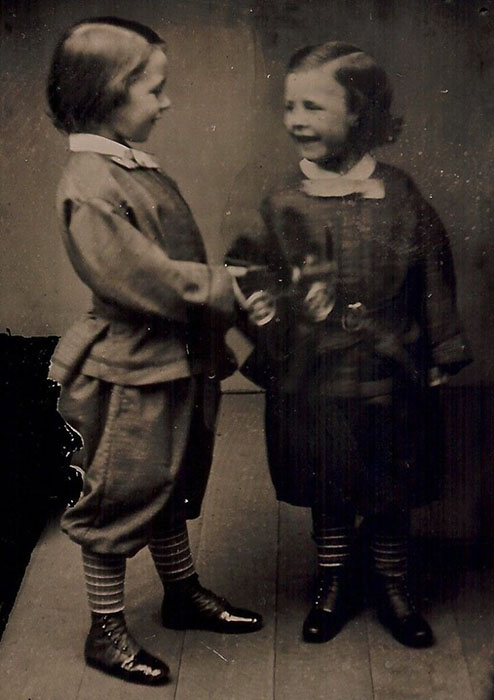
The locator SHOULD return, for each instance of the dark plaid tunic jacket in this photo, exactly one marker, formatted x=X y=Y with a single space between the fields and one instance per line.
x=392 y=258
x=348 y=415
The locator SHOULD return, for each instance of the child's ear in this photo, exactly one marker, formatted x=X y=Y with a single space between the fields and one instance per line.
x=353 y=118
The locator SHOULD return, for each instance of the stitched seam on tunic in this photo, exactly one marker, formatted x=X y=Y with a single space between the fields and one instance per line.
x=116 y=394
x=111 y=363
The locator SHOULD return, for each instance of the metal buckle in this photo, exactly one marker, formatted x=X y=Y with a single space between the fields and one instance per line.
x=353 y=317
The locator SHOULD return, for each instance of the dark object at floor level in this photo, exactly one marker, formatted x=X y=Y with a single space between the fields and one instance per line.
x=36 y=448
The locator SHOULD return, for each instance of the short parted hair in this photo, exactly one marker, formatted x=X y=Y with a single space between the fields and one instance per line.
x=369 y=94
x=93 y=66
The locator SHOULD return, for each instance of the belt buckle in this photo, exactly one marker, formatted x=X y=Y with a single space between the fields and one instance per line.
x=353 y=317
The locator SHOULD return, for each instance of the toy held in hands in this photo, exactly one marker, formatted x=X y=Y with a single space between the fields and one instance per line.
x=311 y=290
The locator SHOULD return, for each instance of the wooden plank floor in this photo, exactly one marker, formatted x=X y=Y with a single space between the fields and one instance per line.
x=258 y=553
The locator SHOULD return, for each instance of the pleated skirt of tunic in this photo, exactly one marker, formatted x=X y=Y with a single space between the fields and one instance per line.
x=373 y=455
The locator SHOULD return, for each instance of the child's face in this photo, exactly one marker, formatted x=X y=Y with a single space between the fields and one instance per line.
x=316 y=113
x=146 y=99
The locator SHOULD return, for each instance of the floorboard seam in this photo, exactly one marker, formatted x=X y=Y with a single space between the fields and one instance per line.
x=462 y=646
x=369 y=659
x=81 y=681
x=179 y=667
x=276 y=592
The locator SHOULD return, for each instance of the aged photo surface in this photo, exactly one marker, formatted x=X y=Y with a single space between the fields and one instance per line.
x=246 y=236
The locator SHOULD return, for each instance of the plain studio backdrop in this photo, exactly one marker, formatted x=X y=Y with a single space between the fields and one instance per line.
x=223 y=138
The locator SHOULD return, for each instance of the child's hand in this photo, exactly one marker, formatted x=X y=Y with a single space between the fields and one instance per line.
x=319 y=301
x=260 y=305
x=237 y=272
x=315 y=281
x=437 y=377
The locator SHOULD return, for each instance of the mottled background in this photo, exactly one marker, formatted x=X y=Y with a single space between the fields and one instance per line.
x=222 y=140
x=227 y=61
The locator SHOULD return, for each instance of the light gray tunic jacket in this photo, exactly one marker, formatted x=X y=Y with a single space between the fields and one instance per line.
x=159 y=310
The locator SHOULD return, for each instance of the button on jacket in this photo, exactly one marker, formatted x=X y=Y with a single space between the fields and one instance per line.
x=159 y=310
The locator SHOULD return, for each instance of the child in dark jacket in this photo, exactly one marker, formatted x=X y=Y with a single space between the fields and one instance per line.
x=350 y=292
x=140 y=372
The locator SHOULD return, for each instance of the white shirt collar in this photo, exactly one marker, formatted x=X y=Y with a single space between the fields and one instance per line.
x=124 y=155
x=360 y=171
x=325 y=183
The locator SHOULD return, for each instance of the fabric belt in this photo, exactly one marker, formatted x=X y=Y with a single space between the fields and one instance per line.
x=110 y=312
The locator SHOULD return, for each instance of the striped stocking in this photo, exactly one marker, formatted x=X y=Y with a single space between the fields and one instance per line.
x=105 y=579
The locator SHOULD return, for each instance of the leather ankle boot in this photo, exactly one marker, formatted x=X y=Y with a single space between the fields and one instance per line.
x=330 y=608
x=396 y=611
x=110 y=648
x=187 y=605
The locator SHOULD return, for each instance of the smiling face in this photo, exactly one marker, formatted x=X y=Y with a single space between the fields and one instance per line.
x=146 y=99
x=316 y=113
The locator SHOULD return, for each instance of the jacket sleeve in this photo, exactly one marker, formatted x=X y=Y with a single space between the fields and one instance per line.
x=255 y=247
x=123 y=267
x=276 y=345
x=448 y=347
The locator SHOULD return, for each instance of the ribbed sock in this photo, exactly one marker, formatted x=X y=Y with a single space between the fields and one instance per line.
x=171 y=554
x=389 y=547
x=334 y=538
x=105 y=581
x=333 y=546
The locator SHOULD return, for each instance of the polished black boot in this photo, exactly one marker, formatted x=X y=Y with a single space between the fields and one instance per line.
x=330 y=608
x=187 y=605
x=397 y=612
x=110 y=648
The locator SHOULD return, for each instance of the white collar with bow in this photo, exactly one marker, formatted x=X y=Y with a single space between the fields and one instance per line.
x=326 y=183
x=121 y=154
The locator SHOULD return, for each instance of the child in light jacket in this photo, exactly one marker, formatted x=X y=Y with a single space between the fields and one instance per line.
x=140 y=372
